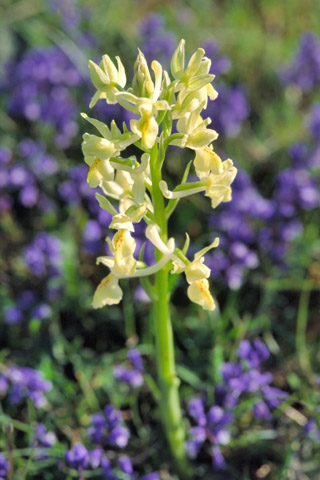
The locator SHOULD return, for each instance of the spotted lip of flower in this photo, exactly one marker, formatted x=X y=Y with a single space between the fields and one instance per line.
x=121 y=265
x=108 y=292
x=107 y=79
x=199 y=293
x=207 y=161
x=123 y=246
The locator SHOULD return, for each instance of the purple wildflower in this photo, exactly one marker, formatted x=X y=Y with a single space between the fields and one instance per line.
x=13 y=315
x=254 y=355
x=212 y=426
x=92 y=237
x=43 y=255
x=304 y=71
x=125 y=465
x=43 y=440
x=221 y=64
x=312 y=430
x=244 y=377
x=107 y=428
x=229 y=110
x=133 y=376
x=5 y=156
x=24 y=382
x=95 y=457
x=157 y=43
x=78 y=457
x=41 y=311
x=40 y=90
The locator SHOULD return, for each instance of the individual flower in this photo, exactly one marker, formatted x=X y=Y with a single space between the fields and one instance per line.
x=107 y=429
x=122 y=247
x=207 y=161
x=196 y=272
x=253 y=354
x=107 y=79
x=108 y=292
x=13 y=315
x=199 y=293
x=133 y=376
x=43 y=440
x=78 y=457
x=217 y=186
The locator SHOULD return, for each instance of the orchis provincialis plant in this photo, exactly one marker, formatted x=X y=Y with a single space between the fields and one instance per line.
x=133 y=189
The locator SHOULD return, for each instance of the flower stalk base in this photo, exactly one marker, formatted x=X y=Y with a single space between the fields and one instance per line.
x=168 y=380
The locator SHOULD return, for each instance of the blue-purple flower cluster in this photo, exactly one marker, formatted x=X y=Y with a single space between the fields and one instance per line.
x=39 y=89
x=106 y=430
x=252 y=227
x=156 y=42
x=43 y=256
x=22 y=177
x=19 y=384
x=80 y=459
x=133 y=375
x=236 y=224
x=240 y=380
x=231 y=108
x=245 y=377
x=304 y=71
x=44 y=260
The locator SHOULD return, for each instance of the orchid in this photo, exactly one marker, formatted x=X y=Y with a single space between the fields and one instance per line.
x=132 y=190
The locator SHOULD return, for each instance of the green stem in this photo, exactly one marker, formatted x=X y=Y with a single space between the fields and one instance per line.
x=168 y=380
